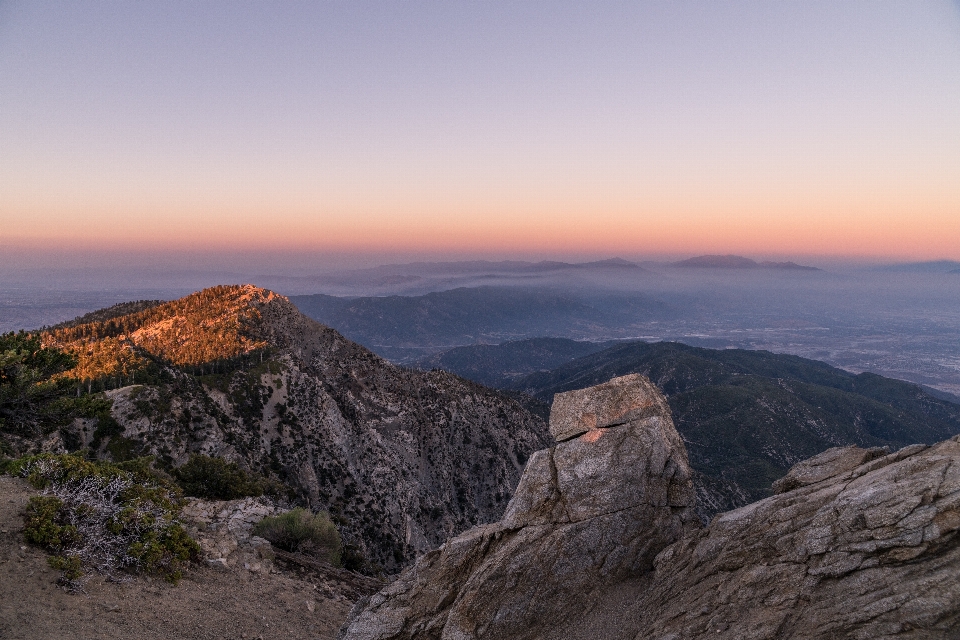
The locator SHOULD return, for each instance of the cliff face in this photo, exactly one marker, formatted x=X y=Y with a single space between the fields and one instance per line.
x=600 y=542
x=861 y=544
x=402 y=459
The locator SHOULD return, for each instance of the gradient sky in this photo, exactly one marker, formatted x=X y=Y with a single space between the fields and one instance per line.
x=455 y=128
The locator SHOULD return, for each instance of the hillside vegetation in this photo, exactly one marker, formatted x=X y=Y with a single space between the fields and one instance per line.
x=203 y=329
x=400 y=459
x=497 y=365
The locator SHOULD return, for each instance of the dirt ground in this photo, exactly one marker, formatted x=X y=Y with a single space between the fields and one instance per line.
x=207 y=603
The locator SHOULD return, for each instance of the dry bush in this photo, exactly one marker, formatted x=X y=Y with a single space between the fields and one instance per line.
x=301 y=531
x=104 y=517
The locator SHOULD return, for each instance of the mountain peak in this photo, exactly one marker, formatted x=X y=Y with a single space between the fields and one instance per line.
x=402 y=458
x=218 y=323
x=738 y=262
x=718 y=262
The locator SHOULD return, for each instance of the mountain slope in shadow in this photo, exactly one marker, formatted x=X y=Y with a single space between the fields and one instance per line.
x=746 y=416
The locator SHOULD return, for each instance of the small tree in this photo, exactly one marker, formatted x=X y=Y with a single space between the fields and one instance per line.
x=32 y=401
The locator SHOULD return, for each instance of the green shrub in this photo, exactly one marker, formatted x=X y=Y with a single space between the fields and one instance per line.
x=299 y=530
x=70 y=566
x=111 y=518
x=217 y=479
x=122 y=449
x=40 y=525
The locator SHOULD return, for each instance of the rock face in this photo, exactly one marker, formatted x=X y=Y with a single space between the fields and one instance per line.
x=617 y=402
x=588 y=512
x=858 y=543
x=224 y=530
x=864 y=550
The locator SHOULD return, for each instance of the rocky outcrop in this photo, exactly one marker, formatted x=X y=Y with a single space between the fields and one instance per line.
x=599 y=542
x=589 y=512
x=748 y=416
x=224 y=531
x=862 y=546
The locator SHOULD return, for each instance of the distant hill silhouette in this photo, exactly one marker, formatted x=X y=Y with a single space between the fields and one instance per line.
x=552 y=265
x=738 y=262
x=930 y=266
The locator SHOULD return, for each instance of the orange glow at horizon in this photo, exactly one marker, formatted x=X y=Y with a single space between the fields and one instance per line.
x=898 y=228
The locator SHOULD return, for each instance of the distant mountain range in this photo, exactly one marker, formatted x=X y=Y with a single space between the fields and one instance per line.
x=423 y=277
x=738 y=262
x=931 y=266
x=408 y=327
x=746 y=416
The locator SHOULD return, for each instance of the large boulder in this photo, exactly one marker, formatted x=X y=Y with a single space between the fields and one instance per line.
x=589 y=512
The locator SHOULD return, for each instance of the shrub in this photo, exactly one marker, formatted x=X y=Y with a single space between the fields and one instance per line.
x=299 y=530
x=217 y=479
x=111 y=518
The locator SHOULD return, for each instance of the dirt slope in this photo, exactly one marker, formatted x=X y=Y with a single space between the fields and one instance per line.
x=208 y=603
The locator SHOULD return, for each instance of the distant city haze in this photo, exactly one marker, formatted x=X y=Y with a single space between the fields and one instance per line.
x=901 y=320
x=363 y=130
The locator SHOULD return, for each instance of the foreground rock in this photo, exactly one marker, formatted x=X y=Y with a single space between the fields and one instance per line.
x=599 y=542
x=588 y=512
x=864 y=552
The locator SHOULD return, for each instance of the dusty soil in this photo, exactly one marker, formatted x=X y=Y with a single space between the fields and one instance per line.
x=292 y=601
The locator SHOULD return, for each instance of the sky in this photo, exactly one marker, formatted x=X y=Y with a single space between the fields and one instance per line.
x=466 y=129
